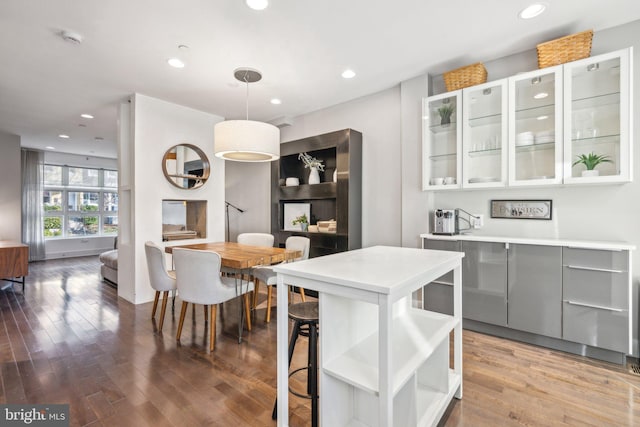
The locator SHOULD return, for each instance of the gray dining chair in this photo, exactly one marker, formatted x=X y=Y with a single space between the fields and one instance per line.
x=199 y=282
x=266 y=275
x=161 y=280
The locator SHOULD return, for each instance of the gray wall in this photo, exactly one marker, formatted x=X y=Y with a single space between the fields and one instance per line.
x=11 y=188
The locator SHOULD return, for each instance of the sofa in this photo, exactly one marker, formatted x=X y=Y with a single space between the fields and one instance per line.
x=109 y=267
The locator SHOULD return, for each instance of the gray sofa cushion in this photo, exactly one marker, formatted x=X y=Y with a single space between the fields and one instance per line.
x=110 y=259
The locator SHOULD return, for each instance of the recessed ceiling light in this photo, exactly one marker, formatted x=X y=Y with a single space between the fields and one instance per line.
x=98 y=138
x=542 y=117
x=257 y=4
x=48 y=147
x=71 y=37
x=276 y=101
x=176 y=63
x=86 y=116
x=532 y=10
x=63 y=136
x=540 y=95
x=82 y=125
x=348 y=74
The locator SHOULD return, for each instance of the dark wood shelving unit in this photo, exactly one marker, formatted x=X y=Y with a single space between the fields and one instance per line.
x=341 y=200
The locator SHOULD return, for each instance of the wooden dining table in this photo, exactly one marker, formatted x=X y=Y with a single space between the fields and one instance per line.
x=241 y=258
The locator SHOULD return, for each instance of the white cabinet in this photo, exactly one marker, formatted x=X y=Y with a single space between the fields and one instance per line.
x=532 y=128
x=535 y=131
x=484 y=135
x=382 y=362
x=442 y=141
x=597 y=118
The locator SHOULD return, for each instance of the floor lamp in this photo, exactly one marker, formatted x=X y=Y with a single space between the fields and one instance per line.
x=227 y=204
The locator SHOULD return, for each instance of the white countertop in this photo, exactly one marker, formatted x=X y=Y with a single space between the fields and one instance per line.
x=584 y=244
x=382 y=269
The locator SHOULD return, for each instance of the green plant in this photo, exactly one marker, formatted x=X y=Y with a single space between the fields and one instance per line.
x=446 y=110
x=591 y=160
x=302 y=219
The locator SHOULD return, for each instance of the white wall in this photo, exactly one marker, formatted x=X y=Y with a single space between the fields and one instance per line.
x=377 y=117
x=248 y=186
x=148 y=127
x=11 y=188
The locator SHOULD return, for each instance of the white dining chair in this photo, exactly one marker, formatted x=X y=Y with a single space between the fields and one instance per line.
x=266 y=275
x=256 y=239
x=161 y=280
x=199 y=282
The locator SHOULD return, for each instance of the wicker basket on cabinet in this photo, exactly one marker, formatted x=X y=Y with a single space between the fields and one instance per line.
x=466 y=76
x=565 y=49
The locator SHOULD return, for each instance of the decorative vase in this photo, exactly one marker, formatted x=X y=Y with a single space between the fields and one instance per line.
x=335 y=175
x=445 y=120
x=591 y=172
x=304 y=226
x=314 y=176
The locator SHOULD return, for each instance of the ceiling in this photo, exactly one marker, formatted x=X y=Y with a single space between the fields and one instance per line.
x=300 y=46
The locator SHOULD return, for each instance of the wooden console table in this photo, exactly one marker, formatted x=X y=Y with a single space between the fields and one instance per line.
x=14 y=263
x=382 y=362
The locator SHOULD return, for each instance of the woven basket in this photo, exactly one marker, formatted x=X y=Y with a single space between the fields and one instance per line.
x=466 y=76
x=565 y=49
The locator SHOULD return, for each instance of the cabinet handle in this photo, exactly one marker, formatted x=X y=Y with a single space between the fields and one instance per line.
x=605 y=270
x=581 y=304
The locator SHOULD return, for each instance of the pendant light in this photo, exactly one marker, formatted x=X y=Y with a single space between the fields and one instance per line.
x=247 y=140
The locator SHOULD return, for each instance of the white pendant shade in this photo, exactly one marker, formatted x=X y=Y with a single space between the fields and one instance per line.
x=246 y=141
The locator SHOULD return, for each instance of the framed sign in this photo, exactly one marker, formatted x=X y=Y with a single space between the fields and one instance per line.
x=521 y=209
x=294 y=210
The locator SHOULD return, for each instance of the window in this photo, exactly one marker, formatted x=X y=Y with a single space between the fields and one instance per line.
x=79 y=202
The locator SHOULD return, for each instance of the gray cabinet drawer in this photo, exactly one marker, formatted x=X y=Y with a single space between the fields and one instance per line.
x=439 y=298
x=596 y=327
x=596 y=259
x=602 y=288
x=443 y=245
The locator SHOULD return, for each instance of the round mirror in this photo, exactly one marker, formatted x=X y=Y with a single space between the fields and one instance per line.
x=185 y=166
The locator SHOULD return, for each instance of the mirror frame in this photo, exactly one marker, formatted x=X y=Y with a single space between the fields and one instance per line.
x=200 y=180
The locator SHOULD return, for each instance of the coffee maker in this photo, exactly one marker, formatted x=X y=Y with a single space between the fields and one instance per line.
x=445 y=221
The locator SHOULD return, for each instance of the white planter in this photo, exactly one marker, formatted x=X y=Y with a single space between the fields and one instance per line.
x=590 y=173
x=314 y=176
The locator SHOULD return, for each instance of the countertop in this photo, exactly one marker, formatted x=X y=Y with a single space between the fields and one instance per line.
x=382 y=269
x=584 y=244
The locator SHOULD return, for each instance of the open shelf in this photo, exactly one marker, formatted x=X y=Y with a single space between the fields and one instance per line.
x=431 y=404
x=322 y=190
x=415 y=336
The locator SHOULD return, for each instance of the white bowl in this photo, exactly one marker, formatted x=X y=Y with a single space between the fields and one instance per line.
x=291 y=182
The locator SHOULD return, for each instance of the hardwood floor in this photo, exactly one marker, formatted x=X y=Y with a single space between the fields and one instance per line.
x=72 y=340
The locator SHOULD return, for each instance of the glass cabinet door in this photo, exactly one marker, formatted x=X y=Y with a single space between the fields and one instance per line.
x=442 y=141
x=535 y=134
x=484 y=135
x=597 y=129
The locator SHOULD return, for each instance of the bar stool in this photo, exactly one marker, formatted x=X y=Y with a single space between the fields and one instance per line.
x=305 y=318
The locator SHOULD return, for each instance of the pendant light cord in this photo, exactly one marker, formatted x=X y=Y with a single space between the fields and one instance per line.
x=247 y=82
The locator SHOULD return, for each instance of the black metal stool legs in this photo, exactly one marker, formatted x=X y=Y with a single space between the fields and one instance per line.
x=310 y=331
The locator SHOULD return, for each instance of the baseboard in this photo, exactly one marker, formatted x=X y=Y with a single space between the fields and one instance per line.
x=73 y=254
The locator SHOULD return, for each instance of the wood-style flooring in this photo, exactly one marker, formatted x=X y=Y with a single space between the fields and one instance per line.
x=72 y=340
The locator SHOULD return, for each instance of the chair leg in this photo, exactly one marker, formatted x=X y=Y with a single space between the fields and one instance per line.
x=206 y=313
x=302 y=294
x=267 y=318
x=255 y=293
x=183 y=312
x=155 y=305
x=247 y=310
x=165 y=298
x=212 y=328
x=292 y=345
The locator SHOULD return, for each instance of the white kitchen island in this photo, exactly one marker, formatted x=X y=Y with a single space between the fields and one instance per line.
x=382 y=361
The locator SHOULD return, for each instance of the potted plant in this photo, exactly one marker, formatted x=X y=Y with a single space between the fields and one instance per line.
x=445 y=111
x=314 y=165
x=590 y=161
x=302 y=220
